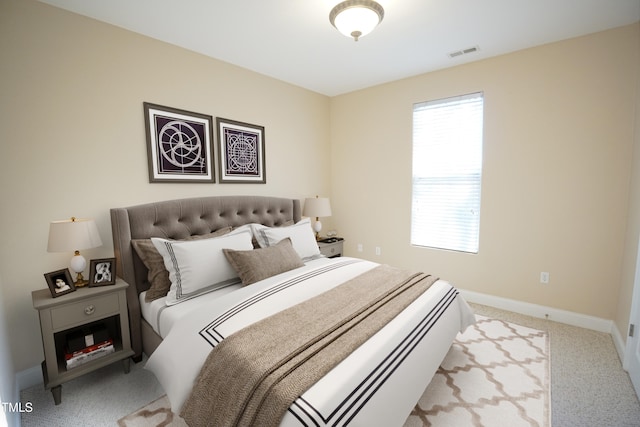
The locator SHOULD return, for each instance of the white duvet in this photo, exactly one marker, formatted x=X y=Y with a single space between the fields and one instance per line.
x=378 y=384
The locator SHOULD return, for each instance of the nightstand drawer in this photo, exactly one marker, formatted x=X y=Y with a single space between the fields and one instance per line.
x=331 y=250
x=84 y=311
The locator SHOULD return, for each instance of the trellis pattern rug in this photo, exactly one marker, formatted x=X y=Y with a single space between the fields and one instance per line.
x=495 y=374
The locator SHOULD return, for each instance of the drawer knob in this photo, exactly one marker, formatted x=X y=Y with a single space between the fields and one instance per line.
x=89 y=310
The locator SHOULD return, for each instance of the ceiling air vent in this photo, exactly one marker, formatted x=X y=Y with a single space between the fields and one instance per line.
x=464 y=51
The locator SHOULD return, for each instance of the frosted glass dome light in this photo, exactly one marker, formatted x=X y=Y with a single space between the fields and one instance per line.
x=356 y=18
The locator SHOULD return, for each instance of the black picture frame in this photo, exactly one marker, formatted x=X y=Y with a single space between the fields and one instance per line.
x=241 y=152
x=60 y=282
x=102 y=272
x=179 y=145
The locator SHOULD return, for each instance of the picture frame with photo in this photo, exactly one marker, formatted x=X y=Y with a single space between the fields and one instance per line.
x=102 y=272
x=241 y=152
x=179 y=145
x=60 y=282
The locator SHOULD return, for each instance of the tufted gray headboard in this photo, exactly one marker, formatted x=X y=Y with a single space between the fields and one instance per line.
x=178 y=219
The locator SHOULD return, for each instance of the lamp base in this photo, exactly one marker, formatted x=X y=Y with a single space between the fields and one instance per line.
x=78 y=264
x=317 y=227
x=80 y=281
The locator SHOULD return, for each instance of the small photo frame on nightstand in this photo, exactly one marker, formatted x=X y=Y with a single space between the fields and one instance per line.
x=60 y=282
x=102 y=272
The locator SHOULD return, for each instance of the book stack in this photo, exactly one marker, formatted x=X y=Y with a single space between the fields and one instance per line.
x=87 y=344
x=87 y=354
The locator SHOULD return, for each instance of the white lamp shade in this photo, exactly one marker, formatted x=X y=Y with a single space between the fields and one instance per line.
x=317 y=207
x=73 y=235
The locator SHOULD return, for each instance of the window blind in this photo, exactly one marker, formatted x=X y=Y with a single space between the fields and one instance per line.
x=447 y=173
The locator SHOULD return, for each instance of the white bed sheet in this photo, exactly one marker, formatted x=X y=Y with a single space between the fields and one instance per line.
x=162 y=317
x=378 y=384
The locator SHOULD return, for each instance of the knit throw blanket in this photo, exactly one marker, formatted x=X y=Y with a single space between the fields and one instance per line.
x=254 y=375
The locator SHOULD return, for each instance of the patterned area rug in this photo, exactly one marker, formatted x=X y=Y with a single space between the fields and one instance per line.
x=155 y=414
x=495 y=374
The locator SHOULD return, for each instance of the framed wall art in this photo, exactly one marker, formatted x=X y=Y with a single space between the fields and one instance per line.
x=60 y=282
x=102 y=272
x=179 y=145
x=240 y=152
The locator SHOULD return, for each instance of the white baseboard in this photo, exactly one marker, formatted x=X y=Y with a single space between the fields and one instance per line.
x=29 y=377
x=24 y=379
x=540 y=311
x=619 y=342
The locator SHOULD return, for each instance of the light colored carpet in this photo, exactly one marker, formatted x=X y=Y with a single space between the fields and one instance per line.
x=588 y=386
x=97 y=399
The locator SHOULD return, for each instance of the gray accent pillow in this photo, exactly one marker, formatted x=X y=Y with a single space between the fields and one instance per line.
x=258 y=264
x=158 y=276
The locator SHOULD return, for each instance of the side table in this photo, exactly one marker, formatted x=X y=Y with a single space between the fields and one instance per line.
x=101 y=308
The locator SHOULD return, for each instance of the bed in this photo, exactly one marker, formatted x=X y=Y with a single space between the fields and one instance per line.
x=199 y=338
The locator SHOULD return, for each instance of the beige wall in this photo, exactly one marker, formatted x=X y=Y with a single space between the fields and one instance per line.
x=558 y=141
x=557 y=159
x=73 y=140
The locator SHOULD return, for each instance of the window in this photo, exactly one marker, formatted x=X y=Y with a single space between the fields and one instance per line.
x=447 y=172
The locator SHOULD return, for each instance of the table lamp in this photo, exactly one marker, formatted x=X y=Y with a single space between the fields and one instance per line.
x=317 y=207
x=72 y=235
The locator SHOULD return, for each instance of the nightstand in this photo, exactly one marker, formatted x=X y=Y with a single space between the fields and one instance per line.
x=331 y=247
x=102 y=308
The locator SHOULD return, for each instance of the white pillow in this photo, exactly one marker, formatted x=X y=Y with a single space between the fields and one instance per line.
x=199 y=266
x=301 y=234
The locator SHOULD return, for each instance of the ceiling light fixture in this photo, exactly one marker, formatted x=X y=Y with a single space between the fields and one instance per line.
x=356 y=18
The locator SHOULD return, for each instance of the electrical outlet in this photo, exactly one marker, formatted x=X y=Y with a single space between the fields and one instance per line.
x=360 y=247
x=544 y=277
x=378 y=250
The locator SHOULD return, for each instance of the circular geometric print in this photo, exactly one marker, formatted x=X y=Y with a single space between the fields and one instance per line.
x=180 y=144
